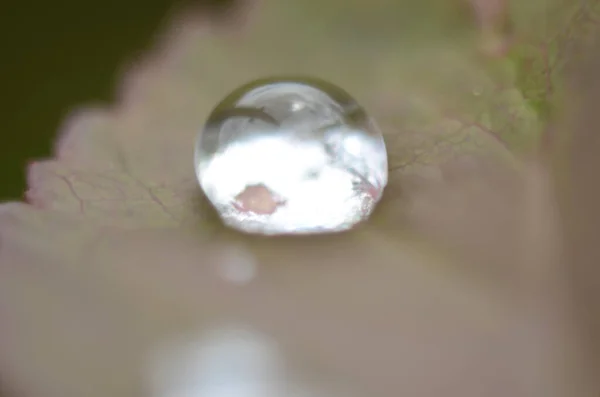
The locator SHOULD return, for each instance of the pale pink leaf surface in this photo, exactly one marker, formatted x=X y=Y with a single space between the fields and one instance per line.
x=579 y=194
x=453 y=288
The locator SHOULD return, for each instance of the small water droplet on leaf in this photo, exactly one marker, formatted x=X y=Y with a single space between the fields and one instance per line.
x=261 y=142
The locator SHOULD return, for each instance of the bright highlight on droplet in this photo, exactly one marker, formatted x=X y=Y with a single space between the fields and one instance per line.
x=291 y=156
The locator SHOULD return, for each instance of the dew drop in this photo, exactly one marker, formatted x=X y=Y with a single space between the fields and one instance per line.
x=291 y=156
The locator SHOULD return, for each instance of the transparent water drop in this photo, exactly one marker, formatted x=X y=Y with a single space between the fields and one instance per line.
x=288 y=156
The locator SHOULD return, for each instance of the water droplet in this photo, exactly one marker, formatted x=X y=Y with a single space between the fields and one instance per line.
x=288 y=156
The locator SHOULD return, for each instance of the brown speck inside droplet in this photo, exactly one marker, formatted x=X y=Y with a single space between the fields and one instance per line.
x=257 y=199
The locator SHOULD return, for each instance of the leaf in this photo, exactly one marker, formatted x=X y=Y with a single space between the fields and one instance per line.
x=81 y=322
x=578 y=193
x=453 y=287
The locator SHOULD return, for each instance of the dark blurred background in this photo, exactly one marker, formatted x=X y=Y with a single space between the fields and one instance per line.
x=59 y=54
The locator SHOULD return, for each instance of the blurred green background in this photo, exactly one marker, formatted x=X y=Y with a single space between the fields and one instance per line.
x=59 y=54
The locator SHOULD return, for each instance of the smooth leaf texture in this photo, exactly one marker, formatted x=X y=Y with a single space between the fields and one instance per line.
x=453 y=288
x=577 y=176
